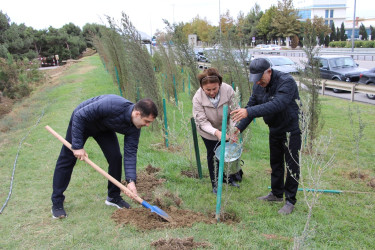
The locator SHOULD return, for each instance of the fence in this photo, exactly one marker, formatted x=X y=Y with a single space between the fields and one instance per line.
x=347 y=86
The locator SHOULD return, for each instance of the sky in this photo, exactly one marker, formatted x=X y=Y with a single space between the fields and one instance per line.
x=146 y=15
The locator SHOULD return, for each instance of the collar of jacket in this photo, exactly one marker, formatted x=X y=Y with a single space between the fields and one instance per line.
x=128 y=114
x=270 y=84
x=206 y=102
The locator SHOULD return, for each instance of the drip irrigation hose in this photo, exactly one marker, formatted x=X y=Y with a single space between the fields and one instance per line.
x=15 y=162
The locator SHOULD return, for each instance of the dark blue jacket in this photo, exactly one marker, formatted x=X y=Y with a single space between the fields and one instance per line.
x=276 y=104
x=107 y=113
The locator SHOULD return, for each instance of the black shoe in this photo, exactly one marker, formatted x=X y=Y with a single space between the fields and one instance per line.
x=234 y=184
x=58 y=211
x=117 y=202
x=270 y=197
x=287 y=208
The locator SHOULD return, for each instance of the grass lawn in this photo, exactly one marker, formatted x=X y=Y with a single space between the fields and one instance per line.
x=340 y=221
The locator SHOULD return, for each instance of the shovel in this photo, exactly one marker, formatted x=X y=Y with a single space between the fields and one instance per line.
x=126 y=191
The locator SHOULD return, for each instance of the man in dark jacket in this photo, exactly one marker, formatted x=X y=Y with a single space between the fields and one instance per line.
x=102 y=117
x=274 y=98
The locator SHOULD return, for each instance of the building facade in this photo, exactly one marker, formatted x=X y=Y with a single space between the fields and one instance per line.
x=330 y=10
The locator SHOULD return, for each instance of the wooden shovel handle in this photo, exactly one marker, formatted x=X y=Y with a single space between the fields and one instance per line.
x=124 y=189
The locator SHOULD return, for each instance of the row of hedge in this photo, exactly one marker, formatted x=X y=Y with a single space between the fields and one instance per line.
x=348 y=44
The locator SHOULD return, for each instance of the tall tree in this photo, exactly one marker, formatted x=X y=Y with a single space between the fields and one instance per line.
x=264 y=28
x=343 y=36
x=363 y=32
x=333 y=33
x=227 y=24
x=250 y=22
x=372 y=30
x=201 y=28
x=285 y=21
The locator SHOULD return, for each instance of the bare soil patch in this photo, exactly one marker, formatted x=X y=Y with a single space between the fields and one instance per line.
x=361 y=175
x=190 y=174
x=5 y=106
x=371 y=183
x=176 y=243
x=170 y=148
x=143 y=219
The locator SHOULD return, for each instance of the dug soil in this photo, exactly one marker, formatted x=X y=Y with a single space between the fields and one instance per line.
x=143 y=219
x=186 y=243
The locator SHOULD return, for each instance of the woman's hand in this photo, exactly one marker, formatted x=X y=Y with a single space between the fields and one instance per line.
x=238 y=114
x=218 y=135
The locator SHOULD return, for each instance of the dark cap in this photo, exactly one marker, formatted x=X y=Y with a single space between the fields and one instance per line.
x=257 y=68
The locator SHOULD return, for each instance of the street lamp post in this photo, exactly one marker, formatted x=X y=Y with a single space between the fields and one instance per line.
x=353 y=28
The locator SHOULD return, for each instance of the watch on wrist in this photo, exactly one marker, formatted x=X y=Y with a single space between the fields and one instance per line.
x=131 y=180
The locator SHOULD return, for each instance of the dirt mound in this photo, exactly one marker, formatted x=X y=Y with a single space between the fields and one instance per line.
x=147 y=182
x=371 y=183
x=150 y=169
x=170 y=148
x=144 y=219
x=190 y=174
x=185 y=244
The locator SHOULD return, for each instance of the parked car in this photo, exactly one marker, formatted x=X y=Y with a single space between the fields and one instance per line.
x=271 y=47
x=221 y=55
x=368 y=78
x=259 y=46
x=200 y=57
x=283 y=64
x=339 y=68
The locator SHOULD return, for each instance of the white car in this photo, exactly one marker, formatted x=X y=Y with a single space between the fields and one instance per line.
x=271 y=47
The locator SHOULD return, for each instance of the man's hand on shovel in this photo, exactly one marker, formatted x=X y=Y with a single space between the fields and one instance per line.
x=80 y=154
x=132 y=187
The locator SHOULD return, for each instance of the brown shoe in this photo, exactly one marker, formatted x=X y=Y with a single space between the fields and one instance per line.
x=270 y=197
x=287 y=208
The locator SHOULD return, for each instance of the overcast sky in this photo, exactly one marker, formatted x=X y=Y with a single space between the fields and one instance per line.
x=146 y=15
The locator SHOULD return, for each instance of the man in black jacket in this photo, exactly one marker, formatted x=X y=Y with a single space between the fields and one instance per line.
x=102 y=117
x=274 y=98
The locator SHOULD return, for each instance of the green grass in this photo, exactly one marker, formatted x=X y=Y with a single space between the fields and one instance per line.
x=339 y=221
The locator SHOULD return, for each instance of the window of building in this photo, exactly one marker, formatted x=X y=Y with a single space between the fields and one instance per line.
x=327 y=13
x=326 y=22
x=304 y=14
x=331 y=14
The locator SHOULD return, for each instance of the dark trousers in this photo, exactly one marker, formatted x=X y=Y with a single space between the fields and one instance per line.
x=211 y=159
x=66 y=161
x=280 y=154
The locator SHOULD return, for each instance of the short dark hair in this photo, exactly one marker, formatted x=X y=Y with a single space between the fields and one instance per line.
x=147 y=107
x=210 y=75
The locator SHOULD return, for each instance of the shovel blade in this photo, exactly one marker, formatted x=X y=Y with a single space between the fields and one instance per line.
x=158 y=211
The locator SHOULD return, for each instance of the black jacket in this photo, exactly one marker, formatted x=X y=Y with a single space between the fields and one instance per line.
x=276 y=104
x=107 y=113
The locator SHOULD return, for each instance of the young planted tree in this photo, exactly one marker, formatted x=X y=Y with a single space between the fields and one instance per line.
x=357 y=134
x=314 y=163
x=311 y=79
x=183 y=52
